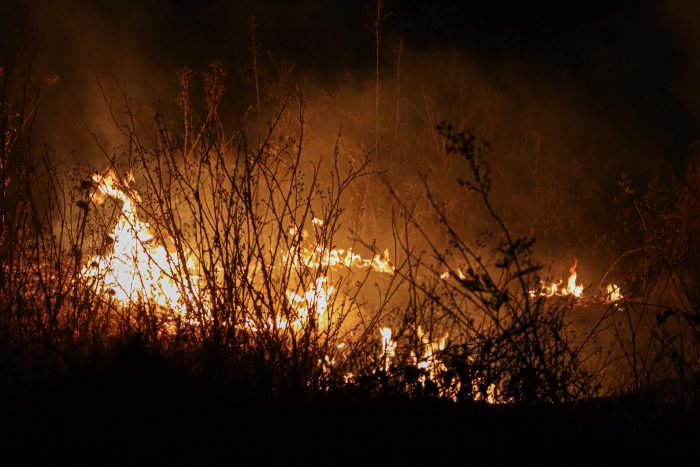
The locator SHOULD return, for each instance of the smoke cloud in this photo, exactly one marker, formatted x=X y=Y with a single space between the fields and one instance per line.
x=568 y=97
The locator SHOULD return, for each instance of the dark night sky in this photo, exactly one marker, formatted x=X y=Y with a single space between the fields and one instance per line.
x=632 y=66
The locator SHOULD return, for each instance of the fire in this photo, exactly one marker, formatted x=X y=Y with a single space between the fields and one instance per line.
x=446 y=275
x=490 y=397
x=388 y=347
x=316 y=299
x=430 y=360
x=614 y=293
x=434 y=368
x=136 y=269
x=317 y=256
x=572 y=288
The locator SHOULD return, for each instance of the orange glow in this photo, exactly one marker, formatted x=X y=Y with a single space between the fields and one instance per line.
x=430 y=360
x=317 y=256
x=315 y=299
x=572 y=288
x=614 y=293
x=388 y=347
x=136 y=269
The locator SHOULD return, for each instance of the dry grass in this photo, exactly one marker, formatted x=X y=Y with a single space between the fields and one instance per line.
x=227 y=198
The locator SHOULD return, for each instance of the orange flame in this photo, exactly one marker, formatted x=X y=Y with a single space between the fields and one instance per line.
x=388 y=347
x=572 y=288
x=614 y=293
x=136 y=269
x=555 y=288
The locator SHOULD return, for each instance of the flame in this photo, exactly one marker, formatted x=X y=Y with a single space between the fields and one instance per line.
x=446 y=275
x=317 y=256
x=555 y=288
x=614 y=293
x=435 y=369
x=429 y=359
x=317 y=299
x=388 y=347
x=490 y=397
x=572 y=288
x=136 y=269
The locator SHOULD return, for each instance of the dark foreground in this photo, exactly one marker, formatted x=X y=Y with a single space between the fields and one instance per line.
x=143 y=410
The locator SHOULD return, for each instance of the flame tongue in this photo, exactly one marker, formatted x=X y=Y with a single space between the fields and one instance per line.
x=571 y=287
x=556 y=288
x=136 y=270
x=388 y=347
x=613 y=293
x=319 y=257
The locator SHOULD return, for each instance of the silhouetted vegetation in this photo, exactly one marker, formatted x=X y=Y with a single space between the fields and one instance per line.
x=288 y=313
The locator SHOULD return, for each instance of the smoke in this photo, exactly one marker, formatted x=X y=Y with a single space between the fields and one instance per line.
x=567 y=97
x=604 y=69
x=90 y=45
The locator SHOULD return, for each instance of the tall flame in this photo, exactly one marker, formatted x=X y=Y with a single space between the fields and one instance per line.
x=138 y=270
x=572 y=288
x=388 y=347
x=316 y=299
x=135 y=269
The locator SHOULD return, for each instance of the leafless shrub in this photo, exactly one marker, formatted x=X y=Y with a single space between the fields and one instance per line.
x=506 y=345
x=656 y=327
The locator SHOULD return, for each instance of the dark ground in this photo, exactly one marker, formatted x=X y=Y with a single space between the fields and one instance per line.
x=143 y=410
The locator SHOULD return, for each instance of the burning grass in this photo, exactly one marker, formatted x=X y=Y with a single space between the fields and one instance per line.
x=239 y=262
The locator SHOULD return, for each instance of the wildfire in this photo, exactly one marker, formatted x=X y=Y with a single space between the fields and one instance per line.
x=315 y=299
x=434 y=368
x=317 y=256
x=572 y=288
x=429 y=360
x=136 y=269
x=458 y=272
x=318 y=298
x=614 y=293
x=490 y=397
x=388 y=347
